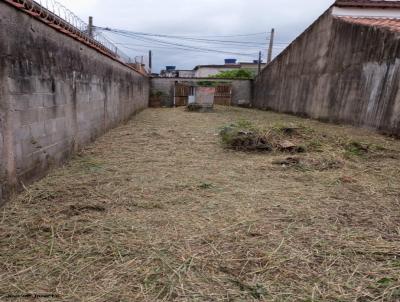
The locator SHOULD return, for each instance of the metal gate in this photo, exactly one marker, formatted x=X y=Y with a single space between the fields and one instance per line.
x=223 y=95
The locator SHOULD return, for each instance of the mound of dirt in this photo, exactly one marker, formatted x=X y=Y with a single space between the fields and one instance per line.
x=245 y=140
x=243 y=136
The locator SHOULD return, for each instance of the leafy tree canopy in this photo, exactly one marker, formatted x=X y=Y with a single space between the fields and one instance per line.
x=235 y=74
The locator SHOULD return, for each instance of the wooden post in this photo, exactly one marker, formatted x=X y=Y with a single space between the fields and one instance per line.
x=259 y=62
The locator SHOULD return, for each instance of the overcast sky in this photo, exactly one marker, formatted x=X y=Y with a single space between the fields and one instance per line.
x=201 y=19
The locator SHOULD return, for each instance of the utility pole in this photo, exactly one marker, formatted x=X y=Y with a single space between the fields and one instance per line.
x=150 y=61
x=259 y=63
x=271 y=45
x=90 y=27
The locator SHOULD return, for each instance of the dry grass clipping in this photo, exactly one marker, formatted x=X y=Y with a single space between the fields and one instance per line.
x=158 y=210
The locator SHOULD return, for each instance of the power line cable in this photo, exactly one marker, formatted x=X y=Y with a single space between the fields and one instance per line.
x=218 y=47
x=253 y=43
x=134 y=36
x=232 y=36
x=164 y=42
x=189 y=50
x=224 y=43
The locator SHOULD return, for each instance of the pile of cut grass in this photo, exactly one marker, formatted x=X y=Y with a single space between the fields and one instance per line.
x=156 y=210
x=244 y=136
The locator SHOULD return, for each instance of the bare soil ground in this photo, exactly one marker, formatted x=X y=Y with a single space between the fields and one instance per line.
x=159 y=210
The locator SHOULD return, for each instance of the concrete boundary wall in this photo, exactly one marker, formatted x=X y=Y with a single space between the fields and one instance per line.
x=339 y=72
x=241 y=89
x=56 y=96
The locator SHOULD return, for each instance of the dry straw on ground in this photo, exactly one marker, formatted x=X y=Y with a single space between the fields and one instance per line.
x=159 y=210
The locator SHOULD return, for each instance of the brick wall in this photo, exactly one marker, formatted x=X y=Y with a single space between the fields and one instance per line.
x=56 y=95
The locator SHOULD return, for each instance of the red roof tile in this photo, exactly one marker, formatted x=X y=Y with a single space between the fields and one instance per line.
x=390 y=24
x=368 y=3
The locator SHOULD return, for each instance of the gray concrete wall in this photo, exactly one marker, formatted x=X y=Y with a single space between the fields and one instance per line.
x=338 y=72
x=241 y=89
x=56 y=95
x=164 y=86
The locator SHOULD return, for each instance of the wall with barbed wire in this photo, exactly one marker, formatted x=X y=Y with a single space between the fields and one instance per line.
x=58 y=92
x=61 y=18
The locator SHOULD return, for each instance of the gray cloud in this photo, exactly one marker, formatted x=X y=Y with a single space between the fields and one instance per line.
x=200 y=17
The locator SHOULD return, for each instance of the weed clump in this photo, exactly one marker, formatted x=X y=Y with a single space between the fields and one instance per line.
x=199 y=108
x=356 y=149
x=206 y=186
x=244 y=136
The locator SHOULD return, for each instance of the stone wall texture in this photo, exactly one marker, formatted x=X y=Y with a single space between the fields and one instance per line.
x=338 y=72
x=56 y=96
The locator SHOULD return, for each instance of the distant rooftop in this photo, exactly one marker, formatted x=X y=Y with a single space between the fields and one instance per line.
x=368 y=3
x=386 y=23
x=229 y=66
x=218 y=66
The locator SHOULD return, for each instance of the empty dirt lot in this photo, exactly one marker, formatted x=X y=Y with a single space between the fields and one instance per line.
x=159 y=210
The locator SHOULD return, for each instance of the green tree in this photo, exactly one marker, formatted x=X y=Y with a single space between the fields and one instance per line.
x=235 y=74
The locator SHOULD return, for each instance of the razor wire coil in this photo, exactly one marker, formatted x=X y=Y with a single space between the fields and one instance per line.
x=51 y=11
